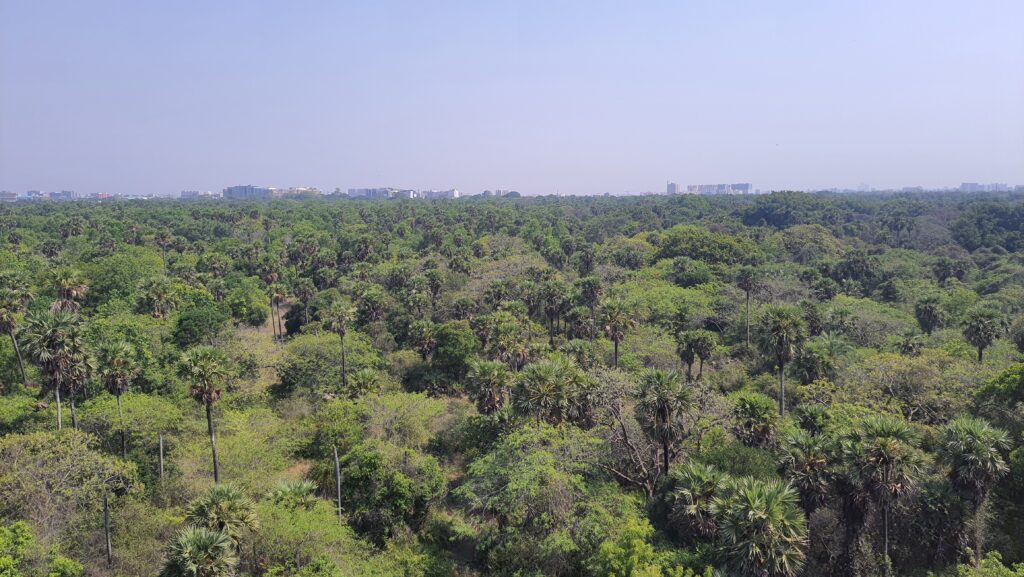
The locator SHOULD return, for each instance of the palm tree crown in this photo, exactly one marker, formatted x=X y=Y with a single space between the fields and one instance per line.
x=763 y=529
x=200 y=552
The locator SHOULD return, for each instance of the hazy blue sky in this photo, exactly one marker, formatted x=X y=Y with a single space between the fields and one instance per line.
x=540 y=96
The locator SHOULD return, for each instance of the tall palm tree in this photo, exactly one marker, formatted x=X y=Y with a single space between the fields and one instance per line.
x=278 y=294
x=981 y=329
x=53 y=341
x=488 y=384
x=616 y=319
x=304 y=290
x=206 y=368
x=807 y=461
x=119 y=368
x=226 y=509
x=973 y=451
x=929 y=313
x=71 y=289
x=702 y=343
x=696 y=486
x=884 y=465
x=337 y=319
x=781 y=331
x=200 y=552
x=748 y=281
x=158 y=297
x=12 y=302
x=762 y=528
x=545 y=389
x=662 y=401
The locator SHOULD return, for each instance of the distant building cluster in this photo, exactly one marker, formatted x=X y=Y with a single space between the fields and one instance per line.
x=250 y=192
x=61 y=195
x=994 y=187
x=388 y=193
x=739 y=188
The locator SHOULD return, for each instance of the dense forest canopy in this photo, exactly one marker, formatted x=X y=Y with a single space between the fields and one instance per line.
x=767 y=386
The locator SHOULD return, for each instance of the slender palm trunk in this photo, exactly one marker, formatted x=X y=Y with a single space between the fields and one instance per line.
x=106 y=529
x=981 y=351
x=124 y=441
x=616 y=356
x=273 y=324
x=748 y=319
x=885 y=531
x=213 y=441
x=74 y=413
x=21 y=361
x=337 y=480
x=60 y=413
x=782 y=390
x=344 y=365
x=664 y=455
x=700 y=373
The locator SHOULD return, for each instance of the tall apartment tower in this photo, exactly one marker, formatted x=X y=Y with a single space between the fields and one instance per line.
x=672 y=188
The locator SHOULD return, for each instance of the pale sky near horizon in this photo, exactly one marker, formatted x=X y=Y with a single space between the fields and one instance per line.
x=569 y=97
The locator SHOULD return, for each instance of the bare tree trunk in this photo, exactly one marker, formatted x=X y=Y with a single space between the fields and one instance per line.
x=74 y=413
x=664 y=456
x=124 y=442
x=782 y=390
x=273 y=324
x=60 y=413
x=106 y=529
x=616 y=356
x=213 y=442
x=337 y=479
x=21 y=361
x=888 y=562
x=344 y=367
x=748 y=319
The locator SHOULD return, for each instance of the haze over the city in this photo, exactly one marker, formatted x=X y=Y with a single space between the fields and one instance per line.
x=541 y=97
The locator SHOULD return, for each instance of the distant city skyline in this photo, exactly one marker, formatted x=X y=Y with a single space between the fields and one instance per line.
x=564 y=98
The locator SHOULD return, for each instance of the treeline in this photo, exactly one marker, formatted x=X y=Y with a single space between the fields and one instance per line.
x=791 y=384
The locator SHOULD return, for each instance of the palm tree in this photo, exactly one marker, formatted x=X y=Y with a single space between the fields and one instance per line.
x=686 y=352
x=200 y=552
x=119 y=367
x=53 y=341
x=422 y=338
x=363 y=381
x=71 y=289
x=702 y=343
x=616 y=319
x=488 y=384
x=300 y=494
x=807 y=463
x=158 y=297
x=973 y=451
x=205 y=367
x=929 y=314
x=12 y=302
x=762 y=528
x=884 y=464
x=304 y=290
x=748 y=281
x=278 y=294
x=696 y=486
x=545 y=389
x=662 y=401
x=226 y=509
x=781 y=331
x=337 y=319
x=981 y=329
